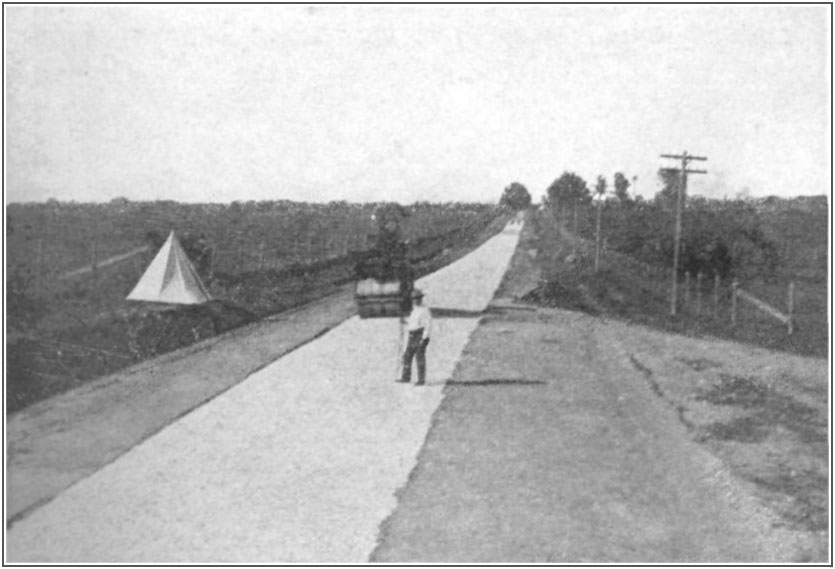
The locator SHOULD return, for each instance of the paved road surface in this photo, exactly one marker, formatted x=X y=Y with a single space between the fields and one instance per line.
x=299 y=463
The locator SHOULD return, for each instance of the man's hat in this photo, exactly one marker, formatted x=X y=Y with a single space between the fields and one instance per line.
x=417 y=293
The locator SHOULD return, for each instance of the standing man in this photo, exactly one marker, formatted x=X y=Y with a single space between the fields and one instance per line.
x=418 y=327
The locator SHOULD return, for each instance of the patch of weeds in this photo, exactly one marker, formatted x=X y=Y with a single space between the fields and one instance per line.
x=736 y=390
x=768 y=409
x=806 y=508
x=741 y=430
x=798 y=496
x=554 y=294
x=698 y=364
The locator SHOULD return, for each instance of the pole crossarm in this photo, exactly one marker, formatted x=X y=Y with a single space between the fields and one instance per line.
x=687 y=171
x=684 y=156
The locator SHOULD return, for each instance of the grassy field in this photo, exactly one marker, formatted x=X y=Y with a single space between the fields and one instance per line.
x=61 y=333
x=622 y=288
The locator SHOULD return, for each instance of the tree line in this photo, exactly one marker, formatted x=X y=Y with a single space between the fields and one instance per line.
x=725 y=237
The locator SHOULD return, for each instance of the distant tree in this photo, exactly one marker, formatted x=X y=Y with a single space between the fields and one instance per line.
x=744 y=194
x=600 y=187
x=666 y=198
x=515 y=196
x=621 y=188
x=568 y=189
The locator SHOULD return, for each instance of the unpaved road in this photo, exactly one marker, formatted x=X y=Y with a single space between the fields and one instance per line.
x=299 y=463
x=567 y=438
x=550 y=447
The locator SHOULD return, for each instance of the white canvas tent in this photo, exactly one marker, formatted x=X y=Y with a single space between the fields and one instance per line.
x=170 y=278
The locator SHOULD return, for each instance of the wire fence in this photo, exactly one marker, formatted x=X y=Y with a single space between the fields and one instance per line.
x=701 y=294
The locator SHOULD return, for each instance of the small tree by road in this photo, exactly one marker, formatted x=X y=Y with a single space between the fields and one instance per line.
x=568 y=190
x=516 y=196
x=622 y=188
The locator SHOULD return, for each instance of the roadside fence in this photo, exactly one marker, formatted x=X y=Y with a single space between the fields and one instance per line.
x=699 y=296
x=784 y=317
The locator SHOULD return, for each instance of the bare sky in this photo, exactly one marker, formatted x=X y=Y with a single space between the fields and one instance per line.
x=409 y=102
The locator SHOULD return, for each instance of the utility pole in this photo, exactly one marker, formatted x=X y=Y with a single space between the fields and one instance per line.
x=600 y=189
x=682 y=185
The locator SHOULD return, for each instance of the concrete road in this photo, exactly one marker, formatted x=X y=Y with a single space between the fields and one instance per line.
x=299 y=463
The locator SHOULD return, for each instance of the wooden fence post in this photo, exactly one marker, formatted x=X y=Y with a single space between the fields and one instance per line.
x=716 y=294
x=734 y=289
x=790 y=322
x=699 y=293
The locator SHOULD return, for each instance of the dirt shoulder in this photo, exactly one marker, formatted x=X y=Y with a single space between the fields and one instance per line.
x=566 y=438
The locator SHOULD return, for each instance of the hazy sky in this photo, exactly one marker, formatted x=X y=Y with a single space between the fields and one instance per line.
x=405 y=103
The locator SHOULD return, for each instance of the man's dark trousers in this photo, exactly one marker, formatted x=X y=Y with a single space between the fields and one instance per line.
x=415 y=347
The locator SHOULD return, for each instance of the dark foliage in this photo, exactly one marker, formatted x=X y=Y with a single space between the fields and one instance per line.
x=516 y=197
x=568 y=190
x=718 y=237
x=621 y=188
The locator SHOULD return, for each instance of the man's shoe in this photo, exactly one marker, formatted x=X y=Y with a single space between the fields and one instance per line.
x=420 y=383
x=402 y=380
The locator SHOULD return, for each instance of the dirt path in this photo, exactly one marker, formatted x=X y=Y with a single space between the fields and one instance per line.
x=298 y=463
x=104 y=263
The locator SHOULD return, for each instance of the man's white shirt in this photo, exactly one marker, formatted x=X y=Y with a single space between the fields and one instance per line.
x=420 y=317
